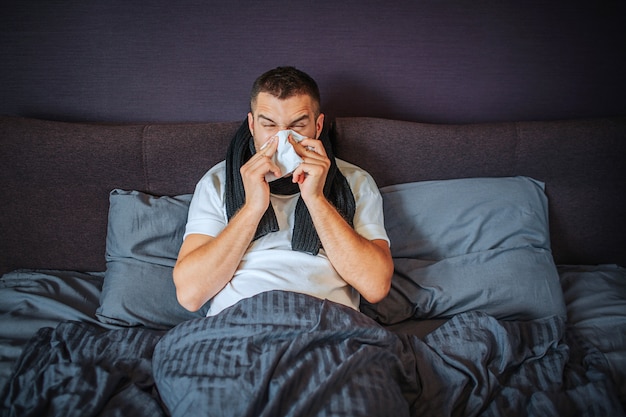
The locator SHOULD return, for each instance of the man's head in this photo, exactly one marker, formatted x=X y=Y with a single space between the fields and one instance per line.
x=283 y=83
x=284 y=98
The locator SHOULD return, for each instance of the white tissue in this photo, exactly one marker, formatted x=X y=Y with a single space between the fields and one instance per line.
x=285 y=156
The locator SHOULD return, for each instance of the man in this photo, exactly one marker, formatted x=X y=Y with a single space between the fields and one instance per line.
x=319 y=231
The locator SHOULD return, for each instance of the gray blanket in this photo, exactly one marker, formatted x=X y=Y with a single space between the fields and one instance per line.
x=279 y=354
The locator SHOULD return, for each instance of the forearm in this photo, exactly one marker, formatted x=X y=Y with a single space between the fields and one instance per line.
x=366 y=265
x=205 y=264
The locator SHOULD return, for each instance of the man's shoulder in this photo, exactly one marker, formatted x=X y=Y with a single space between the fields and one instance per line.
x=348 y=169
x=217 y=171
x=347 y=166
x=357 y=177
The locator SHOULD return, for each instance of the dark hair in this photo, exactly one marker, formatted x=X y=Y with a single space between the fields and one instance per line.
x=285 y=82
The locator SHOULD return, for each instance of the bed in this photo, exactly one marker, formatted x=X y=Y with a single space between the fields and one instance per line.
x=508 y=295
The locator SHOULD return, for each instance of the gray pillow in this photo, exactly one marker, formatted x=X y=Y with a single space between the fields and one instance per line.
x=469 y=244
x=144 y=235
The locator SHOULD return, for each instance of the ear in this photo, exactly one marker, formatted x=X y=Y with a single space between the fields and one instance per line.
x=319 y=125
x=251 y=123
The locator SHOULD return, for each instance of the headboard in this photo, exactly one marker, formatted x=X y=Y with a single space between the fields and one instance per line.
x=56 y=177
x=582 y=163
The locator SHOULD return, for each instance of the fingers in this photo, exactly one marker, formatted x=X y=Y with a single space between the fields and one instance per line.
x=268 y=148
x=314 y=158
x=261 y=162
x=271 y=141
x=311 y=173
x=307 y=147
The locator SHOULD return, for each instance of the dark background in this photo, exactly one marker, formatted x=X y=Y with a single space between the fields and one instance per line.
x=433 y=61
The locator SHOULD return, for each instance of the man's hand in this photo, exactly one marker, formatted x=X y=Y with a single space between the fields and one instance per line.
x=312 y=172
x=366 y=265
x=253 y=172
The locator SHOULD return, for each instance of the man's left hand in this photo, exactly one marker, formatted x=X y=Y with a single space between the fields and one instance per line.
x=312 y=172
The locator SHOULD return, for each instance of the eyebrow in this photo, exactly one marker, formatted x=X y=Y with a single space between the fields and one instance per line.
x=299 y=119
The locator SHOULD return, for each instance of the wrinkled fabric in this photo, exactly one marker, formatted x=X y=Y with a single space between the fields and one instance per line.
x=284 y=354
x=285 y=157
x=81 y=370
x=289 y=354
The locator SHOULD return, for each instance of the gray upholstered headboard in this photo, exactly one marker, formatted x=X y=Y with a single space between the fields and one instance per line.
x=56 y=177
x=582 y=163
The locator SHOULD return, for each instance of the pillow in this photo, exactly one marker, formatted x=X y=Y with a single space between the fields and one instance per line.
x=596 y=309
x=144 y=235
x=469 y=244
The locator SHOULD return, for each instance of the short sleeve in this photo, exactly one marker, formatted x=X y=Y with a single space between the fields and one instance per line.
x=368 y=218
x=207 y=214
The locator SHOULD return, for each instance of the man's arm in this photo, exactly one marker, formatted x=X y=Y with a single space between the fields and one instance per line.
x=366 y=265
x=206 y=264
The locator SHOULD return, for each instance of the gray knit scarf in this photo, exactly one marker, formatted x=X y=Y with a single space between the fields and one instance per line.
x=305 y=238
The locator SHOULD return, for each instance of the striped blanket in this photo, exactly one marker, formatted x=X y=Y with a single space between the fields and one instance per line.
x=287 y=354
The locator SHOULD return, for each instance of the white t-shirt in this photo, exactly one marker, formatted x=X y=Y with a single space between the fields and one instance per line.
x=270 y=263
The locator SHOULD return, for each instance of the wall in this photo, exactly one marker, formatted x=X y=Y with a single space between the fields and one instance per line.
x=436 y=61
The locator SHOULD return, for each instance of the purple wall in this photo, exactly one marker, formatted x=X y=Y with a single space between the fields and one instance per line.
x=436 y=61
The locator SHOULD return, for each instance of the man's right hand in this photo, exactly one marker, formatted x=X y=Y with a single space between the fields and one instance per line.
x=253 y=172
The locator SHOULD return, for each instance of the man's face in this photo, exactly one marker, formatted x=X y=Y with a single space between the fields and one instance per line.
x=270 y=115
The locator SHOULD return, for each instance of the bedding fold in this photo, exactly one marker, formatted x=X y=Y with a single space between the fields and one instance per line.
x=289 y=354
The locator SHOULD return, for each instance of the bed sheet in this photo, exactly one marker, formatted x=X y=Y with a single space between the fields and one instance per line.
x=595 y=297
x=32 y=299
